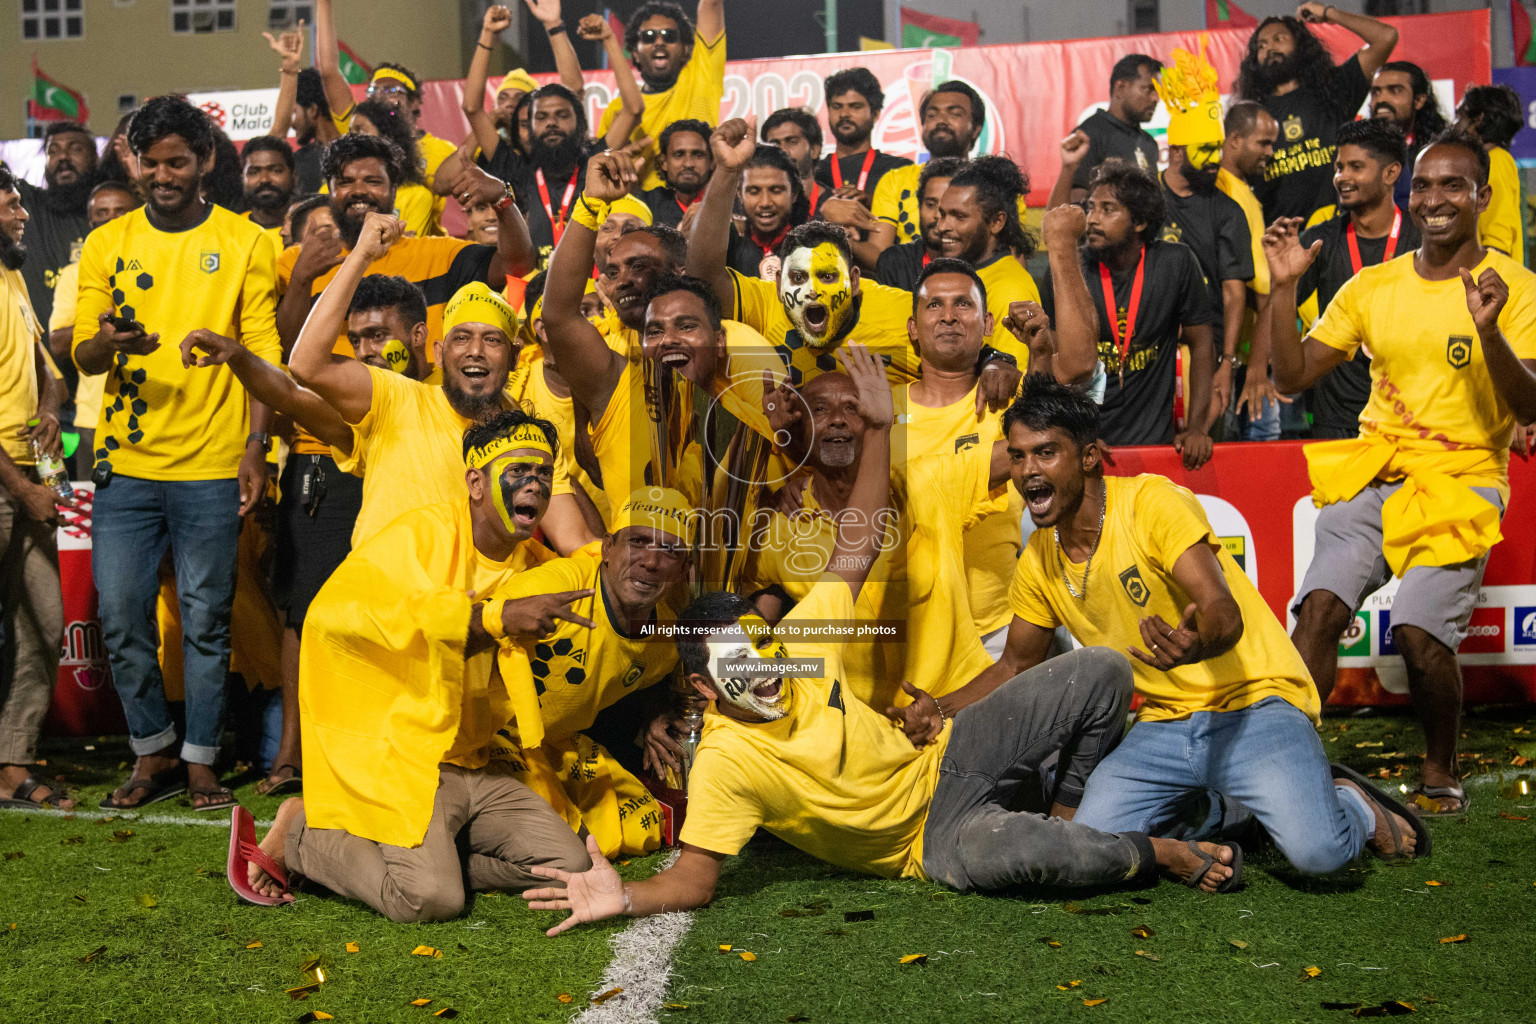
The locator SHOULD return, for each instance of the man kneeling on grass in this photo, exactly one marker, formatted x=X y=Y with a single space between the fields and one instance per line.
x=802 y=757
x=400 y=696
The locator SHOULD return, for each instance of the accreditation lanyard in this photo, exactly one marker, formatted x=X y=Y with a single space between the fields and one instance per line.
x=556 y=224
x=837 y=170
x=815 y=194
x=1124 y=344
x=769 y=246
x=1354 y=246
x=685 y=206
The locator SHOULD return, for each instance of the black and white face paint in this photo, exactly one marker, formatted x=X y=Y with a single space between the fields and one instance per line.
x=762 y=694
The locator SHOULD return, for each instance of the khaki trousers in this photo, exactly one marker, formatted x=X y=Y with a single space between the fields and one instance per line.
x=487 y=831
x=33 y=609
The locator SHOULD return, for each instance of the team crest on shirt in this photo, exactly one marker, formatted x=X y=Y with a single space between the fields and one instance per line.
x=1135 y=586
x=1141 y=160
x=1172 y=232
x=208 y=262
x=636 y=670
x=967 y=442
x=1458 y=351
x=1292 y=128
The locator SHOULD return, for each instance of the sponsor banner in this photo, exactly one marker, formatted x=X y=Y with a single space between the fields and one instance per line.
x=1523 y=81
x=1260 y=493
x=242 y=113
x=1035 y=92
x=84 y=701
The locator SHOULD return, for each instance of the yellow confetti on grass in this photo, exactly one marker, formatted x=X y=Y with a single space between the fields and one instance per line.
x=915 y=958
x=314 y=1015
x=563 y=997
x=418 y=1002
x=748 y=957
x=1141 y=931
x=1453 y=938
x=599 y=1000
x=1312 y=972
x=1095 y=1002
x=725 y=947
x=352 y=947
x=147 y=901
x=253 y=945
x=1069 y=986
x=1239 y=943
x=92 y=955
x=427 y=951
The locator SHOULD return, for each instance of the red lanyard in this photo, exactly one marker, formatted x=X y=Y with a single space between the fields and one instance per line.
x=837 y=169
x=1130 y=313
x=927 y=257
x=772 y=245
x=684 y=206
x=556 y=224
x=815 y=194
x=1354 y=246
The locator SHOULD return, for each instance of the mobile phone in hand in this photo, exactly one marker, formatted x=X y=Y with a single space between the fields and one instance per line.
x=126 y=324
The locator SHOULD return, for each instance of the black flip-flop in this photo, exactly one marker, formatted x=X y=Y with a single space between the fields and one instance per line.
x=292 y=782
x=1207 y=862
x=1392 y=806
x=160 y=786
x=21 y=799
x=221 y=798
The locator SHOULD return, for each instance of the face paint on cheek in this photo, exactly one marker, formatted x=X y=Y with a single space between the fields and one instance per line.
x=504 y=494
x=738 y=690
x=818 y=308
x=1205 y=156
x=396 y=356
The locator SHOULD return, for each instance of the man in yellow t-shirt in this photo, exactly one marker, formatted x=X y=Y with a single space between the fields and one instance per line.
x=1226 y=731
x=181 y=453
x=1419 y=494
x=33 y=608
x=682 y=72
x=785 y=748
x=363 y=172
x=401 y=698
x=1495 y=113
x=614 y=644
x=403 y=428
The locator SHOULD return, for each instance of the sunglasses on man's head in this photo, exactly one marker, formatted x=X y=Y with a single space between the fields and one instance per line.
x=664 y=35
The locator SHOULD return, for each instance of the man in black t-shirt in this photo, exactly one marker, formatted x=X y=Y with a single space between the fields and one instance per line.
x=854 y=102
x=901 y=265
x=1212 y=224
x=1290 y=73
x=1371 y=156
x=685 y=164
x=1158 y=293
x=1401 y=93
x=1116 y=133
x=548 y=183
x=59 y=217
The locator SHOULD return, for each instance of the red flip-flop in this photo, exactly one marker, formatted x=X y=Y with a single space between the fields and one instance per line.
x=243 y=852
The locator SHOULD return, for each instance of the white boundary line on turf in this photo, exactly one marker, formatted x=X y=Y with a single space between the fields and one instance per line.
x=641 y=966
x=130 y=816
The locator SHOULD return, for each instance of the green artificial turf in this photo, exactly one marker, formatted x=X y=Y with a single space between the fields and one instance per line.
x=184 y=959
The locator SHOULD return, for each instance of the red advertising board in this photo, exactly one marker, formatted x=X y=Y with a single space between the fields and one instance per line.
x=1035 y=92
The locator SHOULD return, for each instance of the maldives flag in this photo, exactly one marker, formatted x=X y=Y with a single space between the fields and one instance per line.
x=1226 y=14
x=1525 y=46
x=54 y=101
x=353 y=68
x=920 y=30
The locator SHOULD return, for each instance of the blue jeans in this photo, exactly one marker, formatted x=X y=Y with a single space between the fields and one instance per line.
x=133 y=522
x=1239 y=426
x=1198 y=776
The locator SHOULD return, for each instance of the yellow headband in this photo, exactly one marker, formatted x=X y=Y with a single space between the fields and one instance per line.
x=475 y=303
x=517 y=79
x=632 y=206
x=659 y=508
x=397 y=75
x=526 y=436
x=1189 y=88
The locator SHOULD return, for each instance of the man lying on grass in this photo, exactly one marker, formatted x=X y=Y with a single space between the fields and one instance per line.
x=803 y=758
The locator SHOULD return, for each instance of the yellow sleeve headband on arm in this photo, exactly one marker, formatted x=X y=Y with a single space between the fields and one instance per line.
x=526 y=436
x=659 y=508
x=397 y=75
x=475 y=303
x=490 y=618
x=590 y=213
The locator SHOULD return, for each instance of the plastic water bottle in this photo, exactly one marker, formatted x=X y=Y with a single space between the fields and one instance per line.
x=52 y=470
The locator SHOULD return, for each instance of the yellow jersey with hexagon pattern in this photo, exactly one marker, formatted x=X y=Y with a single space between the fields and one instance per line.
x=161 y=420
x=880 y=322
x=895 y=202
x=578 y=672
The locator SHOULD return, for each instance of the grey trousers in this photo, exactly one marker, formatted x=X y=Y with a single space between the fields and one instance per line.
x=487 y=830
x=33 y=629
x=1030 y=743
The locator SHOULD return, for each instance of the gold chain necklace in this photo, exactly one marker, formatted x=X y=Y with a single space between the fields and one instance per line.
x=1061 y=553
